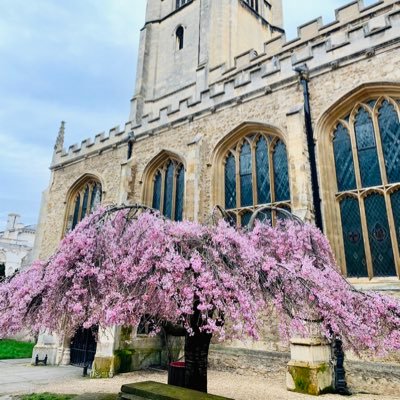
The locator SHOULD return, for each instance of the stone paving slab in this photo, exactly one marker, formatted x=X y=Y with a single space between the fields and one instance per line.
x=19 y=376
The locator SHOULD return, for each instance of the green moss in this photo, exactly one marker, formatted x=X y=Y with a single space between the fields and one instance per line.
x=306 y=379
x=126 y=333
x=124 y=357
x=323 y=368
x=105 y=367
x=303 y=381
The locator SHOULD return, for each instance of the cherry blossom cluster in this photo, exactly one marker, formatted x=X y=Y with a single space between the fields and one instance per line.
x=115 y=268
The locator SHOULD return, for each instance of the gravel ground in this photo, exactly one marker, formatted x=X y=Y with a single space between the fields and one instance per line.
x=238 y=387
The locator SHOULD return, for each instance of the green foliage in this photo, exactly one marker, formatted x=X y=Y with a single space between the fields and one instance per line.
x=125 y=359
x=11 y=349
x=47 y=396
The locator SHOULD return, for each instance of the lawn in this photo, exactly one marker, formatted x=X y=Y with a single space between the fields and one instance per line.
x=47 y=396
x=11 y=349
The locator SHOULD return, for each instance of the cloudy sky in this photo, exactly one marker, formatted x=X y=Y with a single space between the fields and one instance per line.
x=73 y=60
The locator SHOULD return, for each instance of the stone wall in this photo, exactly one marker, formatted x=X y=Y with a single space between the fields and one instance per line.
x=104 y=165
x=362 y=376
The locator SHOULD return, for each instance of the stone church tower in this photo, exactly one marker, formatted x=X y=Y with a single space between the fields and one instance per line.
x=181 y=37
x=227 y=112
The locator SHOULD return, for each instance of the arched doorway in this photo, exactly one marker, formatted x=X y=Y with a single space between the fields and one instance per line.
x=83 y=347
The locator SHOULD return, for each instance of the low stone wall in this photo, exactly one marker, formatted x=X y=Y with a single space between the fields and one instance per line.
x=374 y=378
x=362 y=376
x=247 y=362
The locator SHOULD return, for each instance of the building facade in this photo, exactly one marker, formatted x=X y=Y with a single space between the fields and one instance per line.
x=16 y=244
x=218 y=117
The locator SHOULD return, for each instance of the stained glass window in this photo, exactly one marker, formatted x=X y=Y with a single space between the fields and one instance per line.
x=157 y=191
x=169 y=185
x=281 y=176
x=353 y=238
x=263 y=166
x=390 y=133
x=246 y=179
x=263 y=181
x=230 y=182
x=366 y=216
x=395 y=201
x=366 y=146
x=379 y=236
x=245 y=218
x=85 y=199
x=96 y=197
x=346 y=179
x=76 y=211
x=180 y=182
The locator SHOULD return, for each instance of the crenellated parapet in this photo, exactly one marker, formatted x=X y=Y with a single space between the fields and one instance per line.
x=89 y=147
x=358 y=32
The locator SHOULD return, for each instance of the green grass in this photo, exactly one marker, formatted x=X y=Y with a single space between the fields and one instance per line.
x=47 y=396
x=11 y=349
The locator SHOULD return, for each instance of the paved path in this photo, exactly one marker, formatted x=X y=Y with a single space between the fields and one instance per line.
x=18 y=376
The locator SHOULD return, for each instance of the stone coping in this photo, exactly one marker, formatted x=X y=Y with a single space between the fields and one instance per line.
x=309 y=341
x=160 y=391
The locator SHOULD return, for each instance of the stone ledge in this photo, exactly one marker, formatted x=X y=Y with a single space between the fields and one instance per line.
x=160 y=391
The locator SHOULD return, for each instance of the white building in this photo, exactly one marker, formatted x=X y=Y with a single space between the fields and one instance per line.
x=16 y=243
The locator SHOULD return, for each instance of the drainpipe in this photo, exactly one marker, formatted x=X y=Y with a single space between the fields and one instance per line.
x=337 y=348
x=303 y=73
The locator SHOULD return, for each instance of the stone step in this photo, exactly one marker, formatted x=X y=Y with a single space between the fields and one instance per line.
x=160 y=391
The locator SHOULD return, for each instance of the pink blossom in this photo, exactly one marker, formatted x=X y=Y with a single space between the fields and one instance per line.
x=113 y=269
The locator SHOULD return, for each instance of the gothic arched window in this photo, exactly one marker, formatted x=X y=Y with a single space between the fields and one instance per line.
x=366 y=151
x=256 y=174
x=85 y=198
x=180 y=34
x=168 y=189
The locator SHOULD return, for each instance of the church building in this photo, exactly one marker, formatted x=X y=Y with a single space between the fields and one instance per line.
x=227 y=112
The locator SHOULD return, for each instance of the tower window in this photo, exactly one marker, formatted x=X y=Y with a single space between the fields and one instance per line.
x=179 y=38
x=253 y=4
x=181 y=3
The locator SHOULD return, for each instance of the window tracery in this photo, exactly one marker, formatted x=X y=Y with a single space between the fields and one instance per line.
x=366 y=151
x=255 y=175
x=83 y=201
x=168 y=189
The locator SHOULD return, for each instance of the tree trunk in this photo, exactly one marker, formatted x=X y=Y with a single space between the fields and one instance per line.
x=196 y=360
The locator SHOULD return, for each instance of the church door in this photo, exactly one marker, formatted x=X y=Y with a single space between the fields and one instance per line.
x=83 y=347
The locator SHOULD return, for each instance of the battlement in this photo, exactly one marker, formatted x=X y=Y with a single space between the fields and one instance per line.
x=358 y=32
x=88 y=147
